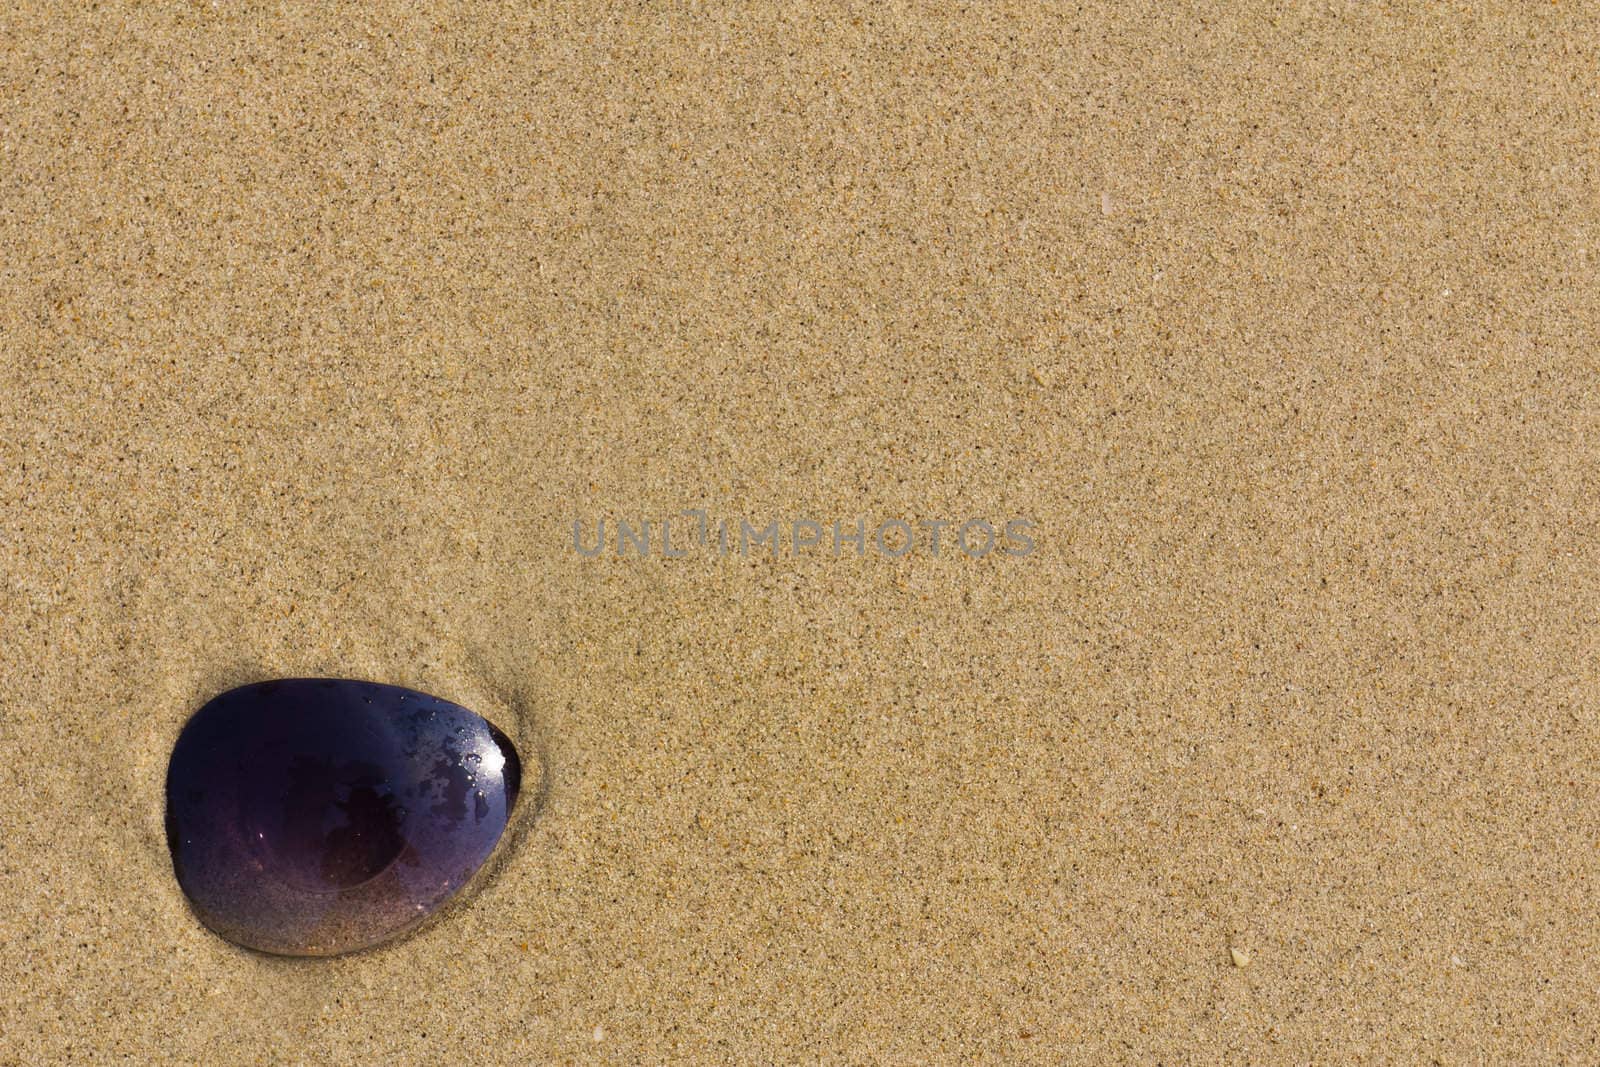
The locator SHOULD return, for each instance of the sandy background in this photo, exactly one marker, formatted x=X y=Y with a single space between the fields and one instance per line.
x=320 y=329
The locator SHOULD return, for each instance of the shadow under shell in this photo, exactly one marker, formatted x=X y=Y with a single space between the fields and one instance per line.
x=313 y=816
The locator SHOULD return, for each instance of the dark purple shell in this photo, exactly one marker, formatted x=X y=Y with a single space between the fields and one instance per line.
x=312 y=816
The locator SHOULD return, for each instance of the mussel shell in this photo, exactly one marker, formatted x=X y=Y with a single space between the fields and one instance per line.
x=314 y=816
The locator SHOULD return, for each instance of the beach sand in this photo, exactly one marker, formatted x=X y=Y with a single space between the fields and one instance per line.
x=321 y=326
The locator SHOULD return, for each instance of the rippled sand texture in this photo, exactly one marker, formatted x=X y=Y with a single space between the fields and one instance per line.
x=320 y=328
